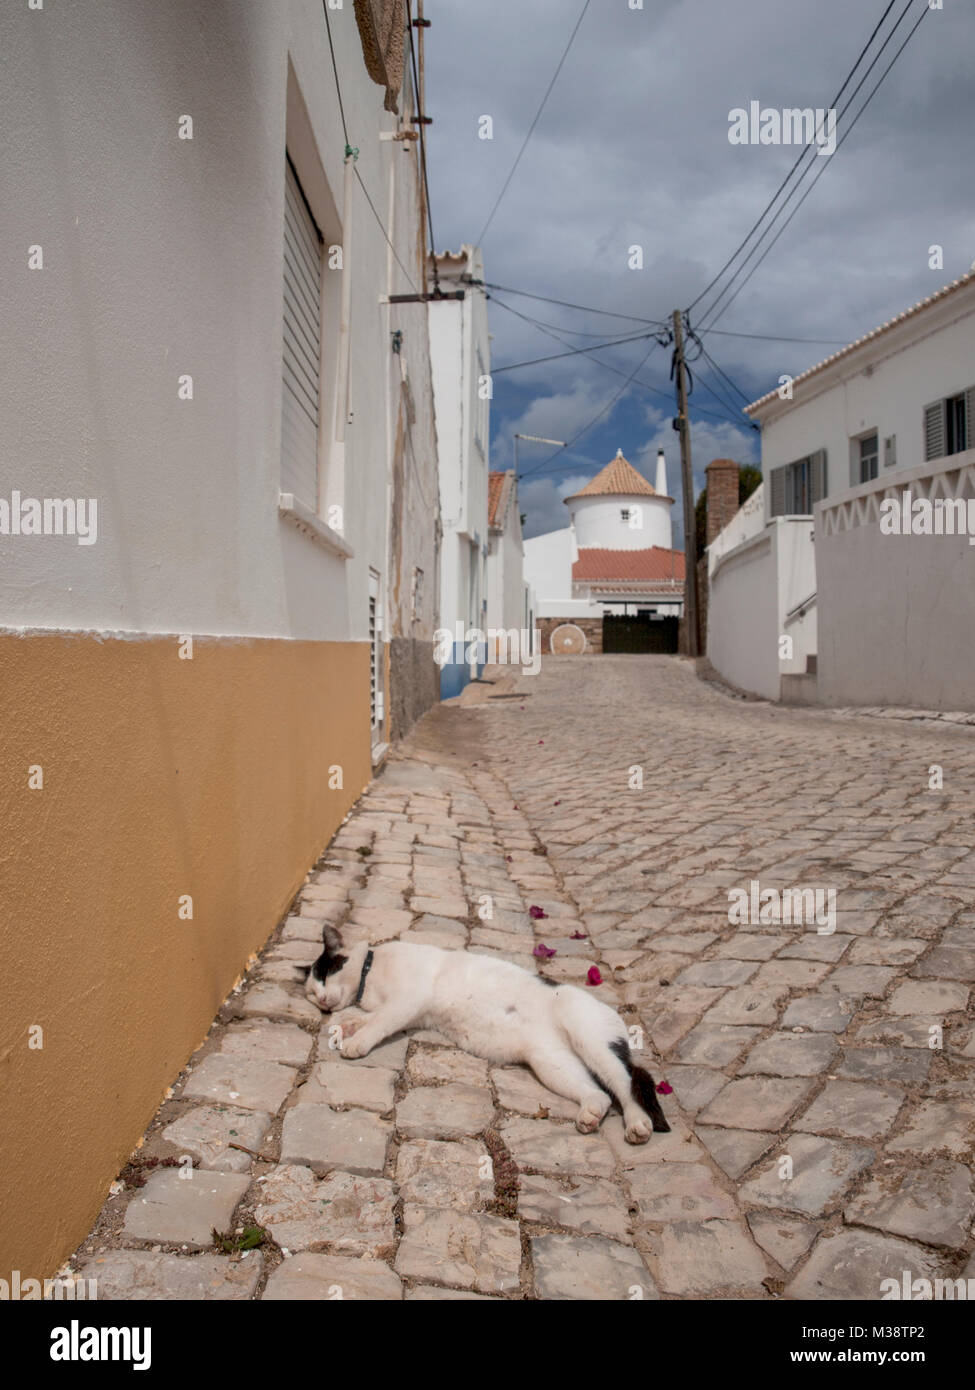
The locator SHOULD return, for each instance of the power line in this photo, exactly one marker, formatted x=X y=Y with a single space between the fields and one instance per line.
x=572 y=352
x=598 y=416
x=546 y=465
x=630 y=379
x=565 y=304
x=531 y=128
x=338 y=85
x=353 y=154
x=728 y=404
x=801 y=157
x=382 y=228
x=722 y=373
x=775 y=338
x=822 y=171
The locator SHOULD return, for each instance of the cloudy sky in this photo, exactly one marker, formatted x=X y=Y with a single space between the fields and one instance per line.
x=632 y=149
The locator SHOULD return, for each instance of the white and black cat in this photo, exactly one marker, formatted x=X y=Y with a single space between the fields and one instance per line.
x=574 y=1043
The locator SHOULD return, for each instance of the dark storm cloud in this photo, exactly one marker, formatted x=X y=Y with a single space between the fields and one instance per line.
x=633 y=148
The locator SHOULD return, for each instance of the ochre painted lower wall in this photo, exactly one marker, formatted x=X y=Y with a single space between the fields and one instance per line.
x=161 y=777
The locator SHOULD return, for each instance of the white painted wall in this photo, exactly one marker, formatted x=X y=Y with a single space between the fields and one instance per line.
x=548 y=566
x=598 y=522
x=747 y=521
x=162 y=257
x=752 y=589
x=506 y=588
x=897 y=613
x=460 y=353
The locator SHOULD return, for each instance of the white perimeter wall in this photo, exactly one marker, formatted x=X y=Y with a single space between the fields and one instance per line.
x=897 y=613
x=752 y=589
x=163 y=257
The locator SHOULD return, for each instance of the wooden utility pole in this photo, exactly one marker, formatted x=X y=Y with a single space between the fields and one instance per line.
x=687 y=477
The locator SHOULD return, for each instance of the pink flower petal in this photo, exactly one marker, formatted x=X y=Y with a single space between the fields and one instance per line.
x=543 y=952
x=578 y=936
x=665 y=1088
x=536 y=913
x=594 y=977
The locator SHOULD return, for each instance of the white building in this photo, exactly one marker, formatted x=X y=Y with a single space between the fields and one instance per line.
x=509 y=601
x=460 y=353
x=815 y=601
x=615 y=558
x=198 y=344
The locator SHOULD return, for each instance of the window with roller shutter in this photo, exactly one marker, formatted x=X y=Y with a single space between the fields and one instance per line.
x=795 y=488
x=949 y=425
x=301 y=356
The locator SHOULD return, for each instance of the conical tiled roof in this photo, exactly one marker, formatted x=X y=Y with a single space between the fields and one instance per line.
x=617 y=479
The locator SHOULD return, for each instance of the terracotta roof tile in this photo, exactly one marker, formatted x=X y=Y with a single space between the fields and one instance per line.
x=495 y=489
x=617 y=479
x=595 y=564
x=500 y=486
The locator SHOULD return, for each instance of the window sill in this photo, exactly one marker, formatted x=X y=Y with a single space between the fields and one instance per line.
x=312 y=525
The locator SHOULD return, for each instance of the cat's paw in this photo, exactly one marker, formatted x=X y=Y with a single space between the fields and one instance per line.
x=638 y=1132
x=356 y=1046
x=587 y=1121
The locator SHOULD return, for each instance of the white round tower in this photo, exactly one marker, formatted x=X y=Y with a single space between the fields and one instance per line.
x=619 y=510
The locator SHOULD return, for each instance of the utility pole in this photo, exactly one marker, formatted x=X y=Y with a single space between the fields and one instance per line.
x=683 y=426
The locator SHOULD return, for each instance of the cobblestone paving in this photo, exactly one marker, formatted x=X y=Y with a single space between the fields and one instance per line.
x=819 y=1142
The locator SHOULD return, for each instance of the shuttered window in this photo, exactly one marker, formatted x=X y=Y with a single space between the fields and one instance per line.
x=934 y=430
x=797 y=487
x=949 y=425
x=777 y=491
x=301 y=364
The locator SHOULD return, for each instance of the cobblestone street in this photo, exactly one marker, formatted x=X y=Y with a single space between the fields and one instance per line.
x=822 y=1110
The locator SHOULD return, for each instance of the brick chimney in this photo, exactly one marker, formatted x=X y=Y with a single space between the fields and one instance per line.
x=722 y=485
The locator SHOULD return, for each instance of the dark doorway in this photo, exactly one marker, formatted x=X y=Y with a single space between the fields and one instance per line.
x=639 y=633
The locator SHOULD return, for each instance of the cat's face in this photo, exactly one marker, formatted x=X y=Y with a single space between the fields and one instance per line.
x=327 y=984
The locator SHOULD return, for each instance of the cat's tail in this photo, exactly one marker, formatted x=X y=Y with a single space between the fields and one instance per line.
x=645 y=1094
x=598 y=1037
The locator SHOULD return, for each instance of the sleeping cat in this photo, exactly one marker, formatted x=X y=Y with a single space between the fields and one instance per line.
x=574 y=1043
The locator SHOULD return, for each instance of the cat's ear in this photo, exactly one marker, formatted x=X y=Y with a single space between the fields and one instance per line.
x=331 y=940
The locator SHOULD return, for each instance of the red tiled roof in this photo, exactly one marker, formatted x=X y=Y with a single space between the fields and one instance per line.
x=595 y=564
x=495 y=489
x=618 y=479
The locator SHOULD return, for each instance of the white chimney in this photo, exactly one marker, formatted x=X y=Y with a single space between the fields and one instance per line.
x=660 y=486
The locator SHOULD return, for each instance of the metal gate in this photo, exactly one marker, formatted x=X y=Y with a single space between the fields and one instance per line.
x=639 y=633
